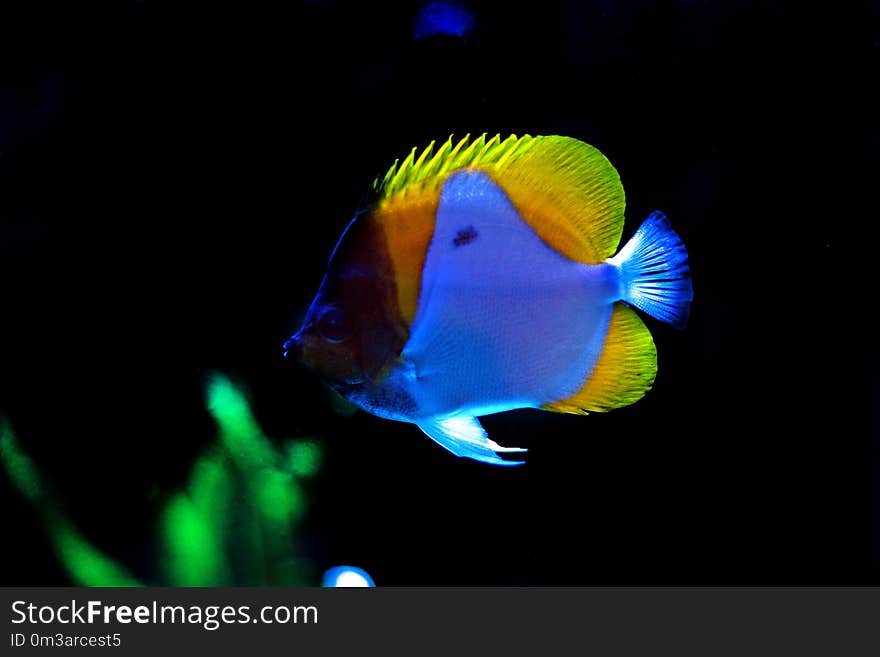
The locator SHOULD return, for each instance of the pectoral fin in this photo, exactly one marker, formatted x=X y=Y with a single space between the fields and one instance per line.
x=465 y=436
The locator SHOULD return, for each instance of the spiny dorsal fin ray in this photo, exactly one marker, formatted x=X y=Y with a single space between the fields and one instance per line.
x=430 y=170
x=566 y=190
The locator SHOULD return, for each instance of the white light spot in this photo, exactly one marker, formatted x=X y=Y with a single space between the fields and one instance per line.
x=347 y=577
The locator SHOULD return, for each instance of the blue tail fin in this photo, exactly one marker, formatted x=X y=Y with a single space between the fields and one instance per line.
x=654 y=272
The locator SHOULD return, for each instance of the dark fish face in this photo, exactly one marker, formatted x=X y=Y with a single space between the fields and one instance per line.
x=352 y=329
x=335 y=337
x=325 y=343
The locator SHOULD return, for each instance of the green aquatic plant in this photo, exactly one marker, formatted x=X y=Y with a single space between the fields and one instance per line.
x=234 y=522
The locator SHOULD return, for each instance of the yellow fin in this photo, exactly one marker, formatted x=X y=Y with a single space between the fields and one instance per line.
x=570 y=194
x=566 y=190
x=624 y=372
x=431 y=169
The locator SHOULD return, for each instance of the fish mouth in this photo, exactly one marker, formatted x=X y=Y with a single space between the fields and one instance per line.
x=293 y=348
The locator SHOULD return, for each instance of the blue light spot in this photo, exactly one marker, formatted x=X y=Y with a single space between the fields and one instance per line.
x=443 y=18
x=347 y=576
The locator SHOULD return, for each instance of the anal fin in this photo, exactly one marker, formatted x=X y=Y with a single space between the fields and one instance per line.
x=624 y=372
x=465 y=436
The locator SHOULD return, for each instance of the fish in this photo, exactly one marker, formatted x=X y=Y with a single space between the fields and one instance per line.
x=484 y=276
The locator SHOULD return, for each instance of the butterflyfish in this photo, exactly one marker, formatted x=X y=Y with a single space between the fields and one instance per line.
x=484 y=277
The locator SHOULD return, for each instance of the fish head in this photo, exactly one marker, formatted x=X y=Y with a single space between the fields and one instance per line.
x=328 y=343
x=352 y=329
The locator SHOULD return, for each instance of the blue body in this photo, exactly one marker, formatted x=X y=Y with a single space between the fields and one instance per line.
x=503 y=322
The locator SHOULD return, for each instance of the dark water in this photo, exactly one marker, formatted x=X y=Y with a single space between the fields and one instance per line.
x=172 y=182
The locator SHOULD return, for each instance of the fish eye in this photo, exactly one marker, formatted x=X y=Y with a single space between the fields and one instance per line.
x=333 y=325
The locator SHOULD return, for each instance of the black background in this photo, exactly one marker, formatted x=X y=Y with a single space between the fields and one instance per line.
x=172 y=181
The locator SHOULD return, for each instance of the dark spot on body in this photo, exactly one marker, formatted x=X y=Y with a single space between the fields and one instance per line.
x=465 y=236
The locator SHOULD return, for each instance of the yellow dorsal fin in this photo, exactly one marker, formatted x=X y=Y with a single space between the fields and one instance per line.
x=428 y=171
x=566 y=190
x=624 y=372
x=569 y=193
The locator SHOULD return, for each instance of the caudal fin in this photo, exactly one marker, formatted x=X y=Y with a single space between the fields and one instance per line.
x=654 y=272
